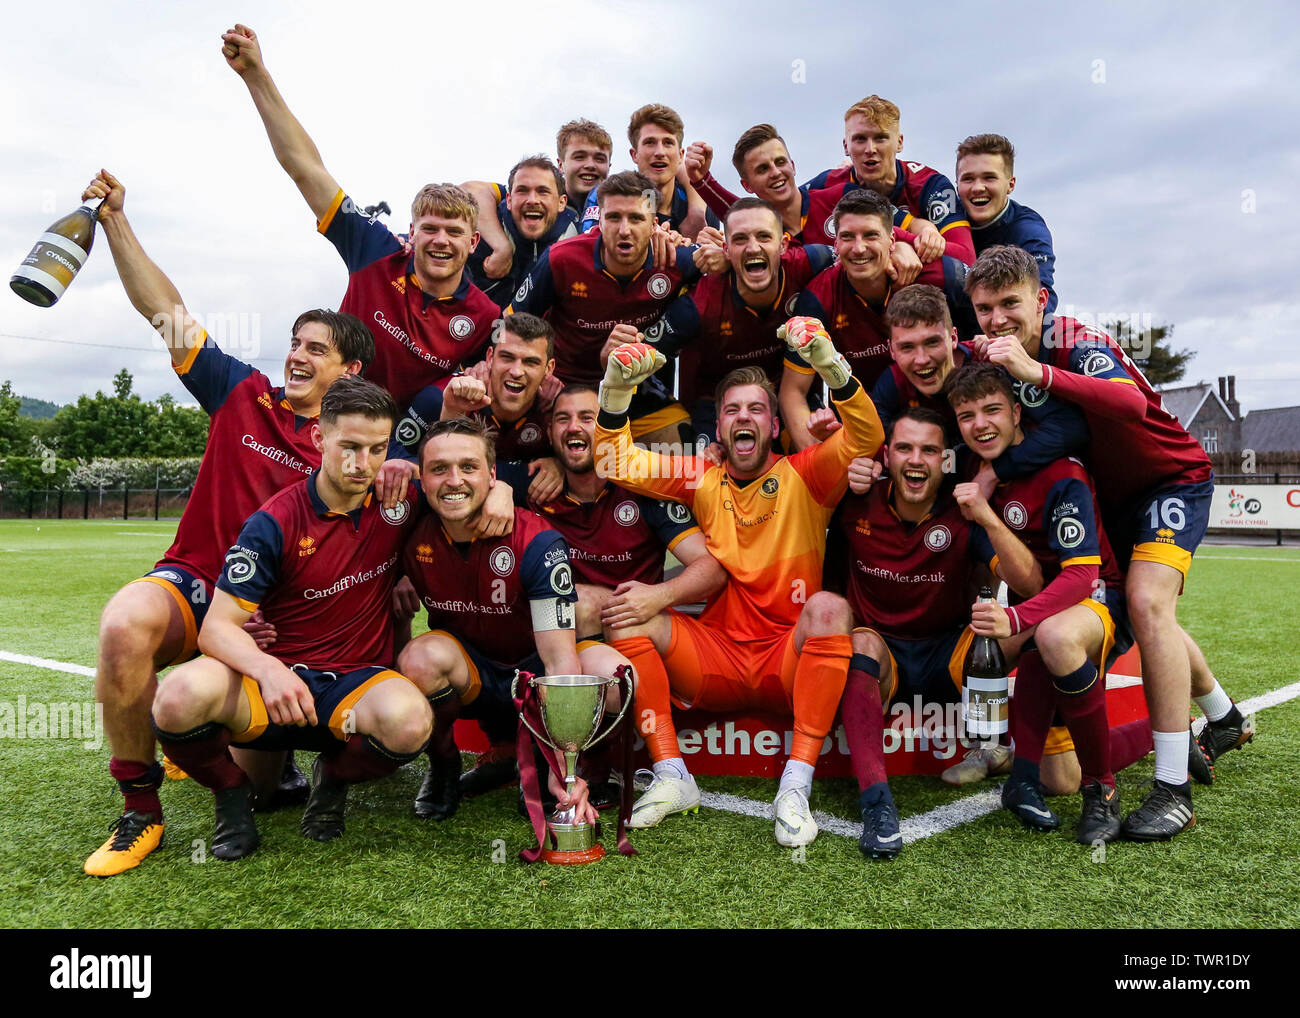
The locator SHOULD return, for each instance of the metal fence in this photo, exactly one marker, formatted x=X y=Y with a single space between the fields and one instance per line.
x=94 y=503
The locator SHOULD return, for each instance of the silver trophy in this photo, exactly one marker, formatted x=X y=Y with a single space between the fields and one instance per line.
x=572 y=708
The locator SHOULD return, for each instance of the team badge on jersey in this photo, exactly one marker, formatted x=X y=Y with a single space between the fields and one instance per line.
x=1097 y=362
x=503 y=561
x=677 y=512
x=770 y=486
x=461 y=326
x=240 y=566
x=1015 y=515
x=828 y=227
x=658 y=285
x=1031 y=395
x=1070 y=533
x=627 y=513
x=398 y=514
x=530 y=434
x=407 y=432
x=937 y=538
x=789 y=305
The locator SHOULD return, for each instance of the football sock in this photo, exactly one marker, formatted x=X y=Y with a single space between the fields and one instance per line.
x=1171 y=756
x=873 y=794
x=1129 y=743
x=364 y=757
x=1024 y=770
x=819 y=679
x=204 y=754
x=1085 y=717
x=797 y=774
x=672 y=767
x=1032 y=708
x=654 y=719
x=864 y=725
x=446 y=708
x=139 y=783
x=1215 y=704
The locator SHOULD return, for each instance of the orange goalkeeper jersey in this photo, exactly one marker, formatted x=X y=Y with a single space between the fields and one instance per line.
x=770 y=534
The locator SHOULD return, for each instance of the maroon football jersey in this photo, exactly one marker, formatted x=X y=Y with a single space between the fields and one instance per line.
x=857 y=329
x=323 y=579
x=256 y=446
x=907 y=580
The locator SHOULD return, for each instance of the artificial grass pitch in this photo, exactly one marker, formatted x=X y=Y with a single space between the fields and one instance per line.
x=1237 y=867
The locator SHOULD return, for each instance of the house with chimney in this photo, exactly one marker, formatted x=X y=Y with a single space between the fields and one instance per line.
x=1268 y=440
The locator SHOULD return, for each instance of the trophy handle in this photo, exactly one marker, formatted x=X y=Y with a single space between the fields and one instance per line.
x=624 y=679
x=514 y=695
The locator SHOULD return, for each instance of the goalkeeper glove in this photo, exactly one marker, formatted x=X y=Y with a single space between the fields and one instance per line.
x=808 y=338
x=629 y=365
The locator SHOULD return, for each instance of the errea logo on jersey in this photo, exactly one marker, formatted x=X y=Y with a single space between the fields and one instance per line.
x=1015 y=515
x=424 y=553
x=306 y=546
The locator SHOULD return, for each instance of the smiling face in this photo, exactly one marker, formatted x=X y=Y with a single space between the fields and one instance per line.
x=516 y=368
x=769 y=172
x=1015 y=310
x=862 y=245
x=584 y=165
x=923 y=353
x=755 y=243
x=573 y=431
x=353 y=447
x=989 y=424
x=626 y=223
x=984 y=186
x=533 y=201
x=441 y=246
x=872 y=149
x=747 y=426
x=657 y=153
x=312 y=365
x=914 y=457
x=456 y=477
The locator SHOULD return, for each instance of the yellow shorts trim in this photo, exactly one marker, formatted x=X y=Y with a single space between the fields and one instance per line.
x=340 y=716
x=1166 y=554
x=585 y=644
x=957 y=662
x=258 y=718
x=475 y=681
x=665 y=417
x=187 y=613
x=1058 y=741
x=1108 y=637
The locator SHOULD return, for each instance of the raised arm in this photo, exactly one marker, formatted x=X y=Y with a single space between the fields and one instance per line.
x=292 y=145
x=147 y=286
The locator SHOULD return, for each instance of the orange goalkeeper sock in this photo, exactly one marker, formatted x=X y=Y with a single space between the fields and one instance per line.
x=818 y=685
x=653 y=706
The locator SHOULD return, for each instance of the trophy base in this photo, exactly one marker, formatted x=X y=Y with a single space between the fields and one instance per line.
x=575 y=844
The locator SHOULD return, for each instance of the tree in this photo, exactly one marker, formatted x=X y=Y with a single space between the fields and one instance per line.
x=12 y=438
x=100 y=425
x=1151 y=350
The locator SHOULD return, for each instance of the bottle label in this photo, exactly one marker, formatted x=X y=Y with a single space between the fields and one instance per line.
x=52 y=263
x=984 y=706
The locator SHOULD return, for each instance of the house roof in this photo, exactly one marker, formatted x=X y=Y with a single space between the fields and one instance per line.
x=1276 y=429
x=1185 y=401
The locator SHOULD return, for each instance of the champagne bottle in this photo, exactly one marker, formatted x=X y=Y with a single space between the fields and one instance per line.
x=57 y=257
x=984 y=692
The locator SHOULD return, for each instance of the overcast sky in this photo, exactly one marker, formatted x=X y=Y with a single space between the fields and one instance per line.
x=1151 y=137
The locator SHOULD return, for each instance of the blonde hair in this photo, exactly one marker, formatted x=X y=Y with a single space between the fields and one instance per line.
x=447 y=201
x=582 y=128
x=880 y=112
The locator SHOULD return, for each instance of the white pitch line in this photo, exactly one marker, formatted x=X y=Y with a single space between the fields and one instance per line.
x=44 y=662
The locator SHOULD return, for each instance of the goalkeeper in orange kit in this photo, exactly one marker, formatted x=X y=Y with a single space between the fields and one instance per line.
x=771 y=639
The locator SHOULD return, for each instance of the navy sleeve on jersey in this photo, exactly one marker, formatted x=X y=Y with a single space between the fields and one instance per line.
x=420 y=416
x=1055 y=428
x=213 y=375
x=939 y=202
x=358 y=238
x=544 y=571
x=820 y=257
x=1094 y=359
x=536 y=293
x=981 y=546
x=1070 y=522
x=818 y=182
x=1033 y=236
x=253 y=563
x=679 y=324
x=515 y=474
x=686 y=264
x=669 y=520
x=887 y=398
